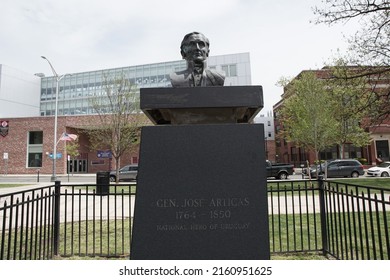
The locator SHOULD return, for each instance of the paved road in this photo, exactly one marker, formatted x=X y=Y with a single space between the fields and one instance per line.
x=45 y=179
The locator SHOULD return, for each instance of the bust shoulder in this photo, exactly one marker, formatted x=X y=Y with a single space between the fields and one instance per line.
x=212 y=77
x=180 y=78
x=216 y=77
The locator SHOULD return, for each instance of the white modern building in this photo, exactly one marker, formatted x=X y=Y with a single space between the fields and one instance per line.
x=29 y=95
x=19 y=93
x=267 y=119
x=77 y=89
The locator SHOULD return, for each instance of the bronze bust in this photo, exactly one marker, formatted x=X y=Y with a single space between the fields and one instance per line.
x=195 y=50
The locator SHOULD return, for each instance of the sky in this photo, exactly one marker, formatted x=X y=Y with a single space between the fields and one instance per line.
x=85 y=35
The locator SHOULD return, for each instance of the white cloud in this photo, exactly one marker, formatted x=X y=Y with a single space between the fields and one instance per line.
x=83 y=35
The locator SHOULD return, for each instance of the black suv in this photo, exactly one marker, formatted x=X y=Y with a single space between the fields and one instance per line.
x=339 y=168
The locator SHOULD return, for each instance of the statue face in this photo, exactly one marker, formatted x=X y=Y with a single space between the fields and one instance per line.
x=195 y=49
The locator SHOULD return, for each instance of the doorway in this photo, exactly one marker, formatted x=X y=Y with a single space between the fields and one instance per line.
x=382 y=149
x=78 y=166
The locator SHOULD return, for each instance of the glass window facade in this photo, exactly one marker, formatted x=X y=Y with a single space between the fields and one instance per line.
x=230 y=70
x=77 y=90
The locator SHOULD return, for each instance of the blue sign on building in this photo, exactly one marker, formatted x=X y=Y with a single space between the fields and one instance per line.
x=59 y=155
x=104 y=154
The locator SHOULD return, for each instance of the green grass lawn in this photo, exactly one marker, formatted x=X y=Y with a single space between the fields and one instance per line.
x=367 y=182
x=102 y=240
x=298 y=234
x=287 y=185
x=12 y=185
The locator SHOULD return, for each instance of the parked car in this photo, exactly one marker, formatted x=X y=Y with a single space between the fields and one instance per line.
x=279 y=170
x=127 y=172
x=315 y=169
x=381 y=170
x=339 y=168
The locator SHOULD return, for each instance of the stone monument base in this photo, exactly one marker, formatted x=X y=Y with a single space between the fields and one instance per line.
x=201 y=193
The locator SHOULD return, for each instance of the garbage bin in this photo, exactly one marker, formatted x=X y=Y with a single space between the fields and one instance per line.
x=102 y=183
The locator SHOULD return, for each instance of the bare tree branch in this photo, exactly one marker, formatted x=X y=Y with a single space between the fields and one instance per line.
x=369 y=47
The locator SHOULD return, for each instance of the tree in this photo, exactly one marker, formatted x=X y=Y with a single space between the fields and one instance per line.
x=307 y=115
x=369 y=46
x=349 y=99
x=326 y=109
x=118 y=121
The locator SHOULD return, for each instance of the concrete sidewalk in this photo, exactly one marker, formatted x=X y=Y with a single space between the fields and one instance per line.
x=46 y=178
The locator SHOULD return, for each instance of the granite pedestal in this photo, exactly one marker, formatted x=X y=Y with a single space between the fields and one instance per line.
x=201 y=190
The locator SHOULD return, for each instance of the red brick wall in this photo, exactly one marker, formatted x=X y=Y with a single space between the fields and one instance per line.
x=271 y=150
x=15 y=144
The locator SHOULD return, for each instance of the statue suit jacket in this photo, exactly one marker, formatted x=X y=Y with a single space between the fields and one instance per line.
x=186 y=79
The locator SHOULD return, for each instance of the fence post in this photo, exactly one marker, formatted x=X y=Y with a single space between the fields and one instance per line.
x=56 y=229
x=324 y=235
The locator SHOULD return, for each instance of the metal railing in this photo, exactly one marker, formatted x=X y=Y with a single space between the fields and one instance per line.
x=94 y=224
x=27 y=219
x=294 y=216
x=357 y=221
x=341 y=220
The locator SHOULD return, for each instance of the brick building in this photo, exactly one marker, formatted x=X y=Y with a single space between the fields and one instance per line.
x=378 y=148
x=27 y=147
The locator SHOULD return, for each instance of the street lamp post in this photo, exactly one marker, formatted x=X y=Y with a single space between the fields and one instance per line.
x=58 y=79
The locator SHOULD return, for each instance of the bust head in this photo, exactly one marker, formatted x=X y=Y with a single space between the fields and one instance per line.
x=195 y=50
x=195 y=47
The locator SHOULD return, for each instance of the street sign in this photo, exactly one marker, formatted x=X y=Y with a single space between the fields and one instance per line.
x=59 y=155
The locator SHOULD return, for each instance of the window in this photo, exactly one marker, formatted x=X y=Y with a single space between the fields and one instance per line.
x=329 y=153
x=233 y=70
x=351 y=151
x=225 y=68
x=34 y=149
x=230 y=70
x=34 y=159
x=35 y=137
x=133 y=168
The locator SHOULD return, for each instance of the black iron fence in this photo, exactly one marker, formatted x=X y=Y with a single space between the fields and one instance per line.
x=294 y=216
x=27 y=219
x=357 y=221
x=340 y=220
